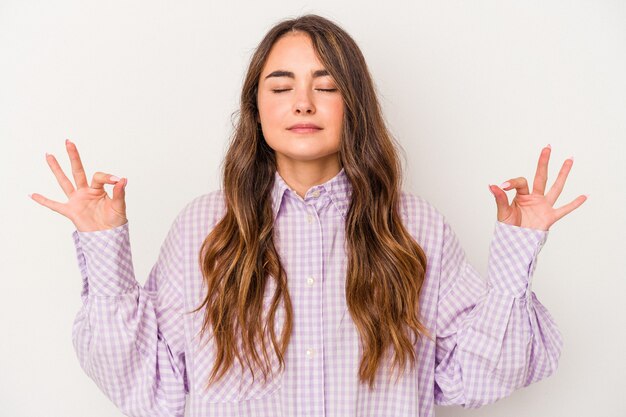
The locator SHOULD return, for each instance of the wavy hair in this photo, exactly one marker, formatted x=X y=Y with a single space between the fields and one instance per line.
x=386 y=266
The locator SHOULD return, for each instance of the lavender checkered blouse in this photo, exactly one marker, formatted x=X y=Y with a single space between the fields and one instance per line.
x=143 y=350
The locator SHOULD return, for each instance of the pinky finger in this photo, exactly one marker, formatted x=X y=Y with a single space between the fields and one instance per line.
x=51 y=204
x=568 y=208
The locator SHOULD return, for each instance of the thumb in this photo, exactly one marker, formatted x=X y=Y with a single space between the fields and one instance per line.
x=502 y=201
x=119 y=193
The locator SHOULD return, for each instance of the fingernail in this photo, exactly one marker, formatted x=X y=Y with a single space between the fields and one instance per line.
x=572 y=158
x=125 y=182
x=30 y=196
x=548 y=146
x=490 y=190
x=505 y=184
x=47 y=154
x=114 y=178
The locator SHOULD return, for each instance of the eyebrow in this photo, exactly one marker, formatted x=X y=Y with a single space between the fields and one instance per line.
x=283 y=73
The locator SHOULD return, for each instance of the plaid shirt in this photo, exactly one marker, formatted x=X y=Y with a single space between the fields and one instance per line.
x=143 y=351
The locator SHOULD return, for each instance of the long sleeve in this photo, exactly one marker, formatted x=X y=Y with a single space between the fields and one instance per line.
x=129 y=339
x=492 y=337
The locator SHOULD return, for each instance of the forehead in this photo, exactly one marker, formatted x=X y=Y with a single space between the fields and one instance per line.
x=292 y=52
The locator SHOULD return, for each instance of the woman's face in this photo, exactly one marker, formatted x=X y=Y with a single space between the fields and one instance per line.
x=294 y=89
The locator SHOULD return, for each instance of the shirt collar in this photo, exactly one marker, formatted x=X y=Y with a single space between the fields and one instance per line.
x=338 y=188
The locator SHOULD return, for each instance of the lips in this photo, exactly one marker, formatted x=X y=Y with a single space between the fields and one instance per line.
x=305 y=128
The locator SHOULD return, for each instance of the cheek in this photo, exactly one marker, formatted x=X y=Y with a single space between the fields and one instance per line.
x=271 y=112
x=263 y=106
x=271 y=118
x=337 y=112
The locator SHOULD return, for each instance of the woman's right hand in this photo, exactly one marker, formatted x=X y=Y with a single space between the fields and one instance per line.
x=88 y=207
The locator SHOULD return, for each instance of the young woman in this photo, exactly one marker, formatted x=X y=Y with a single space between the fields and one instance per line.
x=310 y=284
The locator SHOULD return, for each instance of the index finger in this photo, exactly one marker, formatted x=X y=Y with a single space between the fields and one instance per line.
x=541 y=175
x=77 y=166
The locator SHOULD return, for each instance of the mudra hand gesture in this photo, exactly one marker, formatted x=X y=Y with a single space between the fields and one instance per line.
x=535 y=210
x=88 y=207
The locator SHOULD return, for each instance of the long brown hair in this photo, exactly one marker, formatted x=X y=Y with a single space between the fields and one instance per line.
x=386 y=266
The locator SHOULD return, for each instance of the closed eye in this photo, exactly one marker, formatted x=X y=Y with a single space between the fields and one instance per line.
x=328 y=90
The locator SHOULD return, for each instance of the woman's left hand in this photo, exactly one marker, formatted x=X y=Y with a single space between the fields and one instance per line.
x=535 y=210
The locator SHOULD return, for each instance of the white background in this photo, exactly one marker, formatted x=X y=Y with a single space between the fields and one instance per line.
x=472 y=91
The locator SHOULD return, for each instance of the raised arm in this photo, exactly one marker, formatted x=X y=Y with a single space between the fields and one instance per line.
x=128 y=339
x=493 y=336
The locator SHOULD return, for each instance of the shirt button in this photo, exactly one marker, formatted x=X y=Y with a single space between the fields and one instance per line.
x=316 y=193
x=309 y=218
x=309 y=353
x=310 y=281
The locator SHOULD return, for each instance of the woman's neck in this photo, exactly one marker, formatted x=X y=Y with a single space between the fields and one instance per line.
x=301 y=177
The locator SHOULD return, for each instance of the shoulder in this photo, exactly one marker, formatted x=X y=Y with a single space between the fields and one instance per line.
x=416 y=209
x=424 y=221
x=203 y=210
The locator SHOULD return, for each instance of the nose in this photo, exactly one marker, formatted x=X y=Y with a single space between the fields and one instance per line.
x=303 y=102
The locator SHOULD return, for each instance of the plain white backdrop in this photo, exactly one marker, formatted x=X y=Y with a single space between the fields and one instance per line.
x=471 y=90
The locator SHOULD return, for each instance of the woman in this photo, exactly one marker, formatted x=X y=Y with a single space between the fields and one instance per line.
x=310 y=284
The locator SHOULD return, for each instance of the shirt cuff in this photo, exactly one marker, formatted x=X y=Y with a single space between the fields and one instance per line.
x=105 y=261
x=513 y=258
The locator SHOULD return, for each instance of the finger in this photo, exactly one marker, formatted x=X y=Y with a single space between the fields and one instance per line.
x=100 y=178
x=519 y=183
x=77 y=166
x=568 y=208
x=502 y=201
x=541 y=174
x=63 y=181
x=119 y=193
x=51 y=204
x=557 y=187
